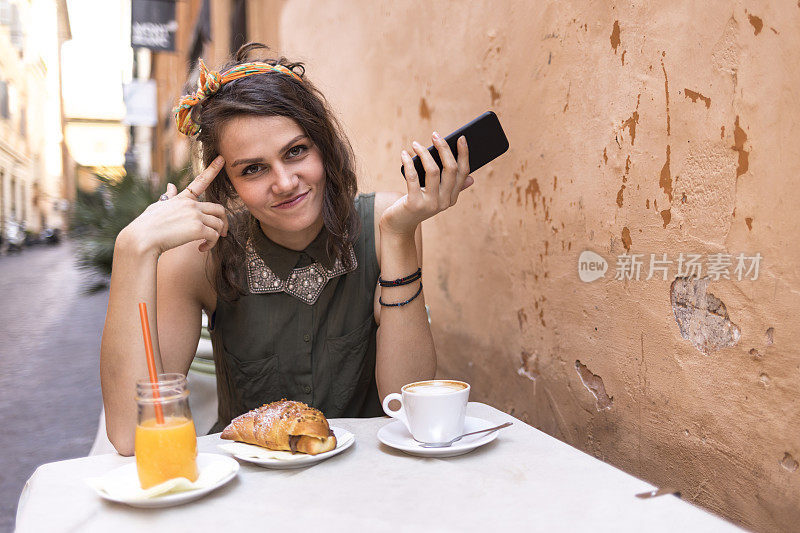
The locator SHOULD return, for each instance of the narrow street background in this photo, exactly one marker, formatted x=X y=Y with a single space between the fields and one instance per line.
x=50 y=397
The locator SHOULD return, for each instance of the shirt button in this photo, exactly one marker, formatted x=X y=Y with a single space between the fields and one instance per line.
x=307 y=389
x=306 y=337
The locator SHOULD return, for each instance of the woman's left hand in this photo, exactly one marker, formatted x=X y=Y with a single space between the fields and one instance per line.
x=441 y=188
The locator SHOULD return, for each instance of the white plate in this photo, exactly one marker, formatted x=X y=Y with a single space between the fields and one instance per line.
x=344 y=439
x=128 y=477
x=395 y=435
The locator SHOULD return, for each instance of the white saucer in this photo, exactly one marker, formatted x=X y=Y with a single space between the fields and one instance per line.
x=395 y=435
x=125 y=479
x=286 y=460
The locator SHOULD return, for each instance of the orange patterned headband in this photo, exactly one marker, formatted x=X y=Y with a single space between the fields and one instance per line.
x=209 y=83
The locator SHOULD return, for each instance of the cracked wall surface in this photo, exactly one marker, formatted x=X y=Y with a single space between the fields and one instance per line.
x=702 y=317
x=663 y=128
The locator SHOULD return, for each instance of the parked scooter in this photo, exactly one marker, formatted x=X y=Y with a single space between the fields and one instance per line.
x=13 y=236
x=50 y=236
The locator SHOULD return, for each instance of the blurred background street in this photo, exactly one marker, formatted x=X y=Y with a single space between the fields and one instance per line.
x=49 y=352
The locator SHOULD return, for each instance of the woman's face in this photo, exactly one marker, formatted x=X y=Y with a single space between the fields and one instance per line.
x=277 y=172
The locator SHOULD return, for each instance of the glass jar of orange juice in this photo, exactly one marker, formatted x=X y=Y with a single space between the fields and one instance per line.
x=166 y=442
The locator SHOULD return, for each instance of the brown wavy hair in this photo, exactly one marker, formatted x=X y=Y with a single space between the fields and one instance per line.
x=275 y=94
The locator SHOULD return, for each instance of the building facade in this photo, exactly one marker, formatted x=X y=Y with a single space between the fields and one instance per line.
x=32 y=186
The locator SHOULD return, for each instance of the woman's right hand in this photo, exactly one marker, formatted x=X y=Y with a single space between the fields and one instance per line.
x=181 y=218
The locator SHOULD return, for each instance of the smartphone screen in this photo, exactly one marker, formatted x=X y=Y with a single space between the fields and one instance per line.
x=485 y=141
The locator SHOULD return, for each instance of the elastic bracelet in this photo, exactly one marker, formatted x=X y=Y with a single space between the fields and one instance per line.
x=400 y=304
x=401 y=281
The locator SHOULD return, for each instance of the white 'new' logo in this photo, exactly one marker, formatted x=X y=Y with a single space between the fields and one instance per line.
x=591 y=266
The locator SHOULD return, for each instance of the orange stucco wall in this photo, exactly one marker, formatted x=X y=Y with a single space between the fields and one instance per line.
x=665 y=128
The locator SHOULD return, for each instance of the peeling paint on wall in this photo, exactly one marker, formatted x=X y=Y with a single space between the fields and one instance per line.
x=626 y=238
x=756 y=22
x=424 y=109
x=688 y=93
x=529 y=365
x=522 y=317
x=726 y=50
x=666 y=89
x=594 y=384
x=624 y=181
x=788 y=463
x=769 y=336
x=532 y=191
x=739 y=137
x=702 y=317
x=631 y=125
x=708 y=179
x=494 y=94
x=619 y=195
x=665 y=179
x=666 y=216
x=633 y=121
x=615 y=36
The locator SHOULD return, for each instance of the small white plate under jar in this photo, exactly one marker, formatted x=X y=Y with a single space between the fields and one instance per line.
x=121 y=485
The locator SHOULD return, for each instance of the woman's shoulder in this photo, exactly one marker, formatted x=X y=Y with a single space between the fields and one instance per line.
x=382 y=200
x=188 y=272
x=375 y=203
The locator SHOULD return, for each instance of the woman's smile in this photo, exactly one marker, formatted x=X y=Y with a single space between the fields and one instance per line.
x=292 y=202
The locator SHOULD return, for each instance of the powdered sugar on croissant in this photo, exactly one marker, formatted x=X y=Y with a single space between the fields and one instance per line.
x=283 y=425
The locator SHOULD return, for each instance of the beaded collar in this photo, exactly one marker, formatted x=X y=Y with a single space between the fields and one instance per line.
x=304 y=283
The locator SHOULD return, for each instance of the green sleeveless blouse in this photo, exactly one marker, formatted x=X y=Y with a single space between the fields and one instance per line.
x=274 y=345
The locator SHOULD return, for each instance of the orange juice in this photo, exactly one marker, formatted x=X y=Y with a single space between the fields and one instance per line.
x=166 y=451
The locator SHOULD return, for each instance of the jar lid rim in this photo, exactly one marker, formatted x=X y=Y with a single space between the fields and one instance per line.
x=169 y=378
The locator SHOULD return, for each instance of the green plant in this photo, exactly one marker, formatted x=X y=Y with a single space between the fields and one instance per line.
x=100 y=215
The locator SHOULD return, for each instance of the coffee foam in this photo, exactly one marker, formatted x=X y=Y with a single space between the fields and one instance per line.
x=433 y=387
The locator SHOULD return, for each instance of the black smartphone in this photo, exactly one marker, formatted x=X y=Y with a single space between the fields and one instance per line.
x=485 y=141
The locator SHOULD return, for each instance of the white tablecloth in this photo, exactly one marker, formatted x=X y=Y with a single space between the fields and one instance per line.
x=525 y=480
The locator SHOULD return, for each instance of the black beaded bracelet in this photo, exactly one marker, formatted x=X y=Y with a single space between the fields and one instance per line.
x=400 y=304
x=401 y=281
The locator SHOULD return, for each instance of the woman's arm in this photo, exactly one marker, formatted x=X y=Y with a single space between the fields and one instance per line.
x=173 y=311
x=405 y=348
x=156 y=261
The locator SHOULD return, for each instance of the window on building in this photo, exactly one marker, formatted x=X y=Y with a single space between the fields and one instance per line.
x=16 y=32
x=238 y=24
x=23 y=122
x=5 y=12
x=4 y=108
x=2 y=198
x=13 y=198
x=202 y=33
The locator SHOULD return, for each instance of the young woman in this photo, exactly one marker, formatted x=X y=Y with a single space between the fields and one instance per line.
x=283 y=256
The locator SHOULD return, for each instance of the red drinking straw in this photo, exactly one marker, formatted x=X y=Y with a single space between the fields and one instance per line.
x=151 y=360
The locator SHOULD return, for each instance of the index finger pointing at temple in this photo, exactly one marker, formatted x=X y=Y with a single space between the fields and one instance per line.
x=204 y=179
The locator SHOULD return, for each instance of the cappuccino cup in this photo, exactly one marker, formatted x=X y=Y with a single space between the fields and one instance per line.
x=432 y=410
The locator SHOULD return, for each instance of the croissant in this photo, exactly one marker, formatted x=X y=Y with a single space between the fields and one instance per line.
x=283 y=425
